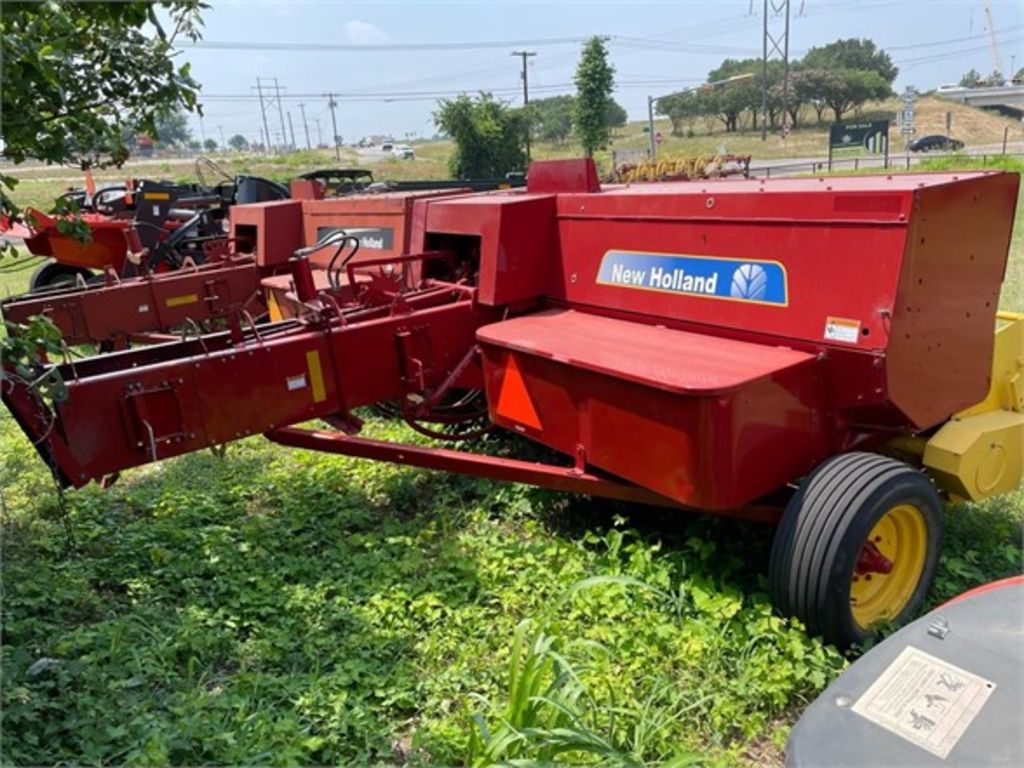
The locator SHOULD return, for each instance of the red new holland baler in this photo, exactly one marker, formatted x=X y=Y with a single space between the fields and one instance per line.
x=818 y=352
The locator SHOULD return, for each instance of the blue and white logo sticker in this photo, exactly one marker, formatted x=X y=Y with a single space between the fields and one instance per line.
x=713 y=277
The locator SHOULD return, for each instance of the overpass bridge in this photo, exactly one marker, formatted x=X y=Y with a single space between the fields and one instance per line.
x=1006 y=98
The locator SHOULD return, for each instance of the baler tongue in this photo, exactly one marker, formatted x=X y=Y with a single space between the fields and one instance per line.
x=129 y=408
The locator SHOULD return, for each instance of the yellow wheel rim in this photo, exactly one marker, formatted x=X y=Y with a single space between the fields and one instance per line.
x=898 y=544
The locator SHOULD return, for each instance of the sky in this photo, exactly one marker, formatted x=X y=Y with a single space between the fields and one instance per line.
x=412 y=52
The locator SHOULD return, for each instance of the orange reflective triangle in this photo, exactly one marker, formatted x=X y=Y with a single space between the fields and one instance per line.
x=514 y=401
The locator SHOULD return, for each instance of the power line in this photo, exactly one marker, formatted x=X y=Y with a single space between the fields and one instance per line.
x=233 y=45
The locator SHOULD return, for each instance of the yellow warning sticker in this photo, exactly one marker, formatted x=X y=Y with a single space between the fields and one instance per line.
x=842 y=329
x=180 y=301
x=316 y=376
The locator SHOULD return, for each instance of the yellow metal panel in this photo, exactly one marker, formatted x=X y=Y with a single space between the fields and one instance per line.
x=316 y=376
x=156 y=196
x=978 y=456
x=180 y=301
x=1007 y=389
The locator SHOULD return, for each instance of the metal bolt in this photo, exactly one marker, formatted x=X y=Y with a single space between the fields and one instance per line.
x=939 y=628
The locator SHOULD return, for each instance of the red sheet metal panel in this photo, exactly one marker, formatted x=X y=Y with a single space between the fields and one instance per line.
x=516 y=234
x=939 y=351
x=272 y=231
x=709 y=422
x=824 y=264
x=651 y=355
x=383 y=220
x=153 y=303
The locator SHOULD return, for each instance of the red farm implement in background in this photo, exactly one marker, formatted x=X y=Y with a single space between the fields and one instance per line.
x=162 y=225
x=242 y=271
x=193 y=266
x=750 y=348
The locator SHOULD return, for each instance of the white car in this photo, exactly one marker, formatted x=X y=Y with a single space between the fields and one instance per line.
x=404 y=152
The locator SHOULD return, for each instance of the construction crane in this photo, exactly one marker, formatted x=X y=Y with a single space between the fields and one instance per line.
x=992 y=39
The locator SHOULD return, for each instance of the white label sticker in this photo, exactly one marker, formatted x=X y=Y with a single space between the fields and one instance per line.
x=296 y=382
x=842 y=329
x=143 y=308
x=925 y=700
x=156 y=210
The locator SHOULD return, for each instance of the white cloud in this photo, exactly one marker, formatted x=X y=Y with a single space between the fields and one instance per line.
x=365 y=33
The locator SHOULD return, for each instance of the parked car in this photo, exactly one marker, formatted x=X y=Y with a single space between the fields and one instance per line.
x=933 y=143
x=386 y=146
x=404 y=152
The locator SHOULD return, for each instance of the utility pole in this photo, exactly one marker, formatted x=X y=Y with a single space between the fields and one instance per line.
x=331 y=103
x=291 y=129
x=774 y=42
x=305 y=125
x=524 y=55
x=220 y=130
x=650 y=127
x=319 y=133
x=280 y=111
x=263 y=114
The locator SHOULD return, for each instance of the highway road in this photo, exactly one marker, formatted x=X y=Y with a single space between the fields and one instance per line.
x=370 y=156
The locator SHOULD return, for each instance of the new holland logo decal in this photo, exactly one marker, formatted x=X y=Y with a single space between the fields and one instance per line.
x=712 y=277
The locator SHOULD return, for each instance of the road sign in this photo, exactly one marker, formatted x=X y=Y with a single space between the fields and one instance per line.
x=907 y=113
x=854 y=138
x=658 y=137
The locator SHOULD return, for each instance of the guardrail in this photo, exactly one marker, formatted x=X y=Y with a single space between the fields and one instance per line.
x=894 y=162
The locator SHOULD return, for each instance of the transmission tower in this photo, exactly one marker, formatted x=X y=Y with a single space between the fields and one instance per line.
x=270 y=95
x=775 y=46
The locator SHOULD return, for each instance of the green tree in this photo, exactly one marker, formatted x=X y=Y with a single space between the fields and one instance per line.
x=616 y=116
x=730 y=100
x=238 y=142
x=552 y=117
x=810 y=87
x=76 y=75
x=844 y=89
x=994 y=80
x=1018 y=77
x=172 y=129
x=595 y=80
x=488 y=136
x=680 y=109
x=210 y=145
x=853 y=53
x=970 y=79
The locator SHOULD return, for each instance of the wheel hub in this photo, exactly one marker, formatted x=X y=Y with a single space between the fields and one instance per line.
x=889 y=566
x=871 y=560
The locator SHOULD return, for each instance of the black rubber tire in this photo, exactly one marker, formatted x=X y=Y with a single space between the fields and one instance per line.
x=823 y=530
x=52 y=274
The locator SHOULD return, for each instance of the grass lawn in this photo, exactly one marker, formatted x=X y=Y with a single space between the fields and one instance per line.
x=288 y=607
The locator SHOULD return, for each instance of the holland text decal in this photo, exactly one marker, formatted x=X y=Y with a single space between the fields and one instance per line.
x=760 y=282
